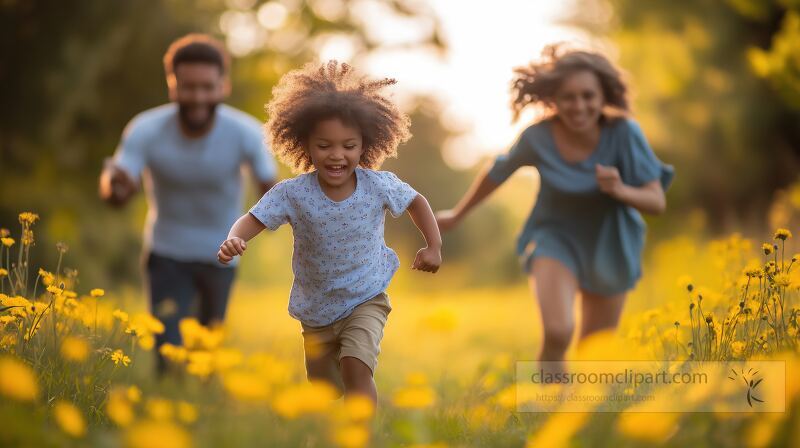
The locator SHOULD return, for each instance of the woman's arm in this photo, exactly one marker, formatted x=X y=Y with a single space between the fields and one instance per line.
x=428 y=258
x=649 y=198
x=243 y=230
x=481 y=188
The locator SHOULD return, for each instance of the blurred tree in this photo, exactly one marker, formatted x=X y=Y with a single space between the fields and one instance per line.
x=717 y=89
x=74 y=73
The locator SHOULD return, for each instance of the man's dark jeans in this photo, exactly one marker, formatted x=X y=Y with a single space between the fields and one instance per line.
x=180 y=289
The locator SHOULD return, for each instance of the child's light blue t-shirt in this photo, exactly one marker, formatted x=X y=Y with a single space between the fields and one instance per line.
x=340 y=257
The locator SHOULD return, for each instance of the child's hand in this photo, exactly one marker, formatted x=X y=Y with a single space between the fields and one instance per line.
x=231 y=248
x=609 y=180
x=447 y=220
x=428 y=259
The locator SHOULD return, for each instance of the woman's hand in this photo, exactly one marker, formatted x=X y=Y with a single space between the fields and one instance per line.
x=428 y=259
x=447 y=220
x=609 y=180
x=231 y=248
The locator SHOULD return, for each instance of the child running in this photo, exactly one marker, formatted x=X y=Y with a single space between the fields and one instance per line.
x=336 y=127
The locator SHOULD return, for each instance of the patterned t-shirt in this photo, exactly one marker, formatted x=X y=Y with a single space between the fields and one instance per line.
x=340 y=257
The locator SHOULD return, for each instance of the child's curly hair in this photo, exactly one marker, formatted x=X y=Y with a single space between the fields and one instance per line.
x=539 y=81
x=316 y=92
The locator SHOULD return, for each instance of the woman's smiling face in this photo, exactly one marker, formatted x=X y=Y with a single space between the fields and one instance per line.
x=335 y=150
x=579 y=101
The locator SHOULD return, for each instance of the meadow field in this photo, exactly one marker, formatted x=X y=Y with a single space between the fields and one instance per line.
x=76 y=363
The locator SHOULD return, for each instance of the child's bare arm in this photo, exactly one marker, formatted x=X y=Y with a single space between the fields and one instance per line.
x=428 y=258
x=243 y=230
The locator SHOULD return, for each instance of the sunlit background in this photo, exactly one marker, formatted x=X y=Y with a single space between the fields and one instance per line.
x=714 y=85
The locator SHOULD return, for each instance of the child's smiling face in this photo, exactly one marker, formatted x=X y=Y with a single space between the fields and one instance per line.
x=335 y=150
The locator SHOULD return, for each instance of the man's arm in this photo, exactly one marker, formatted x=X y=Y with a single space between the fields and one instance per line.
x=116 y=187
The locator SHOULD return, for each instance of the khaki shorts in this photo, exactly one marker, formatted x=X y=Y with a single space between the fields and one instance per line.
x=358 y=335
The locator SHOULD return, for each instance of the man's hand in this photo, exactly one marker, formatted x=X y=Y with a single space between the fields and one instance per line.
x=609 y=180
x=428 y=259
x=116 y=187
x=231 y=248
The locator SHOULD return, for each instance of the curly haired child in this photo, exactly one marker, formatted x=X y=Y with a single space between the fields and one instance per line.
x=585 y=233
x=335 y=128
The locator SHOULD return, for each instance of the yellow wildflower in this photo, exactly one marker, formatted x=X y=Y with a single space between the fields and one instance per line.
x=782 y=234
x=27 y=237
x=737 y=349
x=74 y=349
x=783 y=280
x=351 y=436
x=358 y=408
x=414 y=397
x=173 y=353
x=28 y=218
x=306 y=398
x=120 y=315
x=120 y=358
x=7 y=241
x=767 y=248
x=118 y=408
x=187 y=413
x=19 y=304
x=246 y=386
x=3 y=272
x=17 y=380
x=134 y=394
x=97 y=292
x=69 y=419
x=47 y=277
x=55 y=290
x=159 y=409
x=157 y=434
x=4 y=233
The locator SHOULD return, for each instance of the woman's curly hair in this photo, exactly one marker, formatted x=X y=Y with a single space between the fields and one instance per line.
x=317 y=92
x=539 y=81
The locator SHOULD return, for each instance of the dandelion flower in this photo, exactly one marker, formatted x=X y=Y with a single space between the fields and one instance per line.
x=737 y=349
x=120 y=315
x=187 y=413
x=160 y=409
x=157 y=434
x=74 y=349
x=118 y=408
x=17 y=380
x=7 y=241
x=782 y=234
x=69 y=419
x=351 y=436
x=120 y=358
x=28 y=218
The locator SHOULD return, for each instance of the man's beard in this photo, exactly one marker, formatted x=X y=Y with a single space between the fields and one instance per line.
x=194 y=125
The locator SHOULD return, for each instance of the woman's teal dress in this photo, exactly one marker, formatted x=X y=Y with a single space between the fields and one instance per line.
x=597 y=237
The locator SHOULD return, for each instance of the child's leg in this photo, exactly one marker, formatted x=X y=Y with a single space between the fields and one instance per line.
x=321 y=351
x=600 y=312
x=555 y=287
x=360 y=337
x=357 y=378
